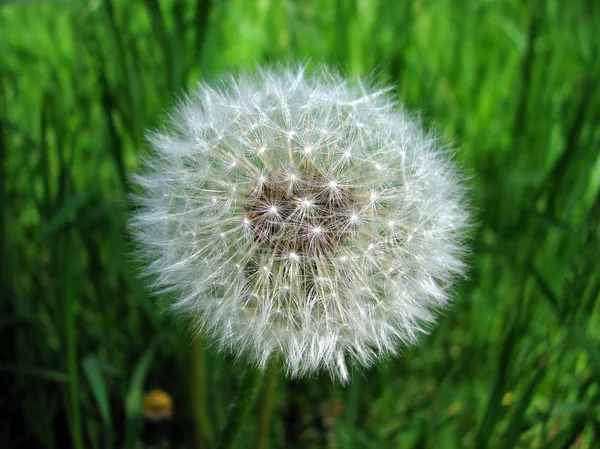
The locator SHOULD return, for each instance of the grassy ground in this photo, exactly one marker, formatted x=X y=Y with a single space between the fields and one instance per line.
x=514 y=363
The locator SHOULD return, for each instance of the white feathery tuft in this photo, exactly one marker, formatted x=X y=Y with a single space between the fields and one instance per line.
x=303 y=218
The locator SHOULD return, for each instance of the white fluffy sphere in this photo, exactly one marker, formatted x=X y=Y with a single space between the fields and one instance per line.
x=302 y=218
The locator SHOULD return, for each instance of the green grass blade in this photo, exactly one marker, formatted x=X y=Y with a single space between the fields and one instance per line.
x=93 y=371
x=133 y=400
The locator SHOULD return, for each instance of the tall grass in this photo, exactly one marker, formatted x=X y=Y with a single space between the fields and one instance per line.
x=514 y=85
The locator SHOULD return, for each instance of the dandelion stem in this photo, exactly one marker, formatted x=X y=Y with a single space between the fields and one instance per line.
x=267 y=407
x=202 y=424
x=248 y=386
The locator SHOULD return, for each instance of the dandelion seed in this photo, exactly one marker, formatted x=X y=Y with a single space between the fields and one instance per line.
x=336 y=245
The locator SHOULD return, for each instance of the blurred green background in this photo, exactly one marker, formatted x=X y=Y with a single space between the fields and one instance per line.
x=515 y=362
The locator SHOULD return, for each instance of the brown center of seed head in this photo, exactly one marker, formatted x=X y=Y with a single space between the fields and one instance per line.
x=300 y=211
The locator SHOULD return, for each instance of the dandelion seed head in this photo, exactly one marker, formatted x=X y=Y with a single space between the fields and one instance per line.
x=302 y=218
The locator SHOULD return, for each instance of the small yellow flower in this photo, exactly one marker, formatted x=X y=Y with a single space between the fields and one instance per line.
x=157 y=405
